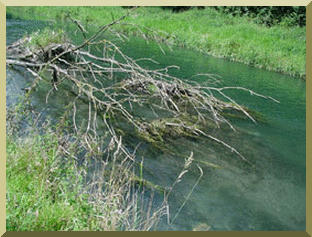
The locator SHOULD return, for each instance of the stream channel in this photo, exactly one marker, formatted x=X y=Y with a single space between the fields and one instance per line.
x=269 y=197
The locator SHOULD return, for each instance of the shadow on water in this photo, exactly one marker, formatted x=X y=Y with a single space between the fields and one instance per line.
x=268 y=196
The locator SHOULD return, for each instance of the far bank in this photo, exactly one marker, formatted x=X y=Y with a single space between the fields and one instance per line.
x=279 y=48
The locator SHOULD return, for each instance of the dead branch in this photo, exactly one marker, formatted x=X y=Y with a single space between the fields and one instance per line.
x=90 y=77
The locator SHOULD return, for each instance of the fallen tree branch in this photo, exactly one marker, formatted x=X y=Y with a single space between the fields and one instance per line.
x=90 y=75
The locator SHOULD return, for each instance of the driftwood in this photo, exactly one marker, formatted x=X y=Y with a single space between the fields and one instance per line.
x=115 y=87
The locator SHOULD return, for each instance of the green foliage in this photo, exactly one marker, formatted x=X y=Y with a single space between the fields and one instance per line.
x=180 y=8
x=270 y=15
x=236 y=37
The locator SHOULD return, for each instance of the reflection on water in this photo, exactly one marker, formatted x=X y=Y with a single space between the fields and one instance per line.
x=268 y=196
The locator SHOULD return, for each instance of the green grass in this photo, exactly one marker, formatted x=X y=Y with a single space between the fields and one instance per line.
x=46 y=37
x=280 y=48
x=47 y=191
x=39 y=196
x=50 y=189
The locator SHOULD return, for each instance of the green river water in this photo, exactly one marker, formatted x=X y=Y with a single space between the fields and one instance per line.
x=270 y=196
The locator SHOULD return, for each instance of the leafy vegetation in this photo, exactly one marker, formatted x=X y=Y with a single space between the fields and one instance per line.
x=237 y=37
x=271 y=15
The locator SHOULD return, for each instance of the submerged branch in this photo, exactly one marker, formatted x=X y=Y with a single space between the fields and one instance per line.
x=115 y=85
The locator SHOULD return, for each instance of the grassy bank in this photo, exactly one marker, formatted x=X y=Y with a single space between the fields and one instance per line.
x=46 y=192
x=279 y=48
x=39 y=196
x=50 y=189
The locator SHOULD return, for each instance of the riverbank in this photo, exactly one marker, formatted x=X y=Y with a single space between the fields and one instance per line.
x=49 y=189
x=279 y=48
x=46 y=192
x=38 y=195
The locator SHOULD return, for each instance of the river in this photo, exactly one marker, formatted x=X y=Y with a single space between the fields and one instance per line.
x=269 y=197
